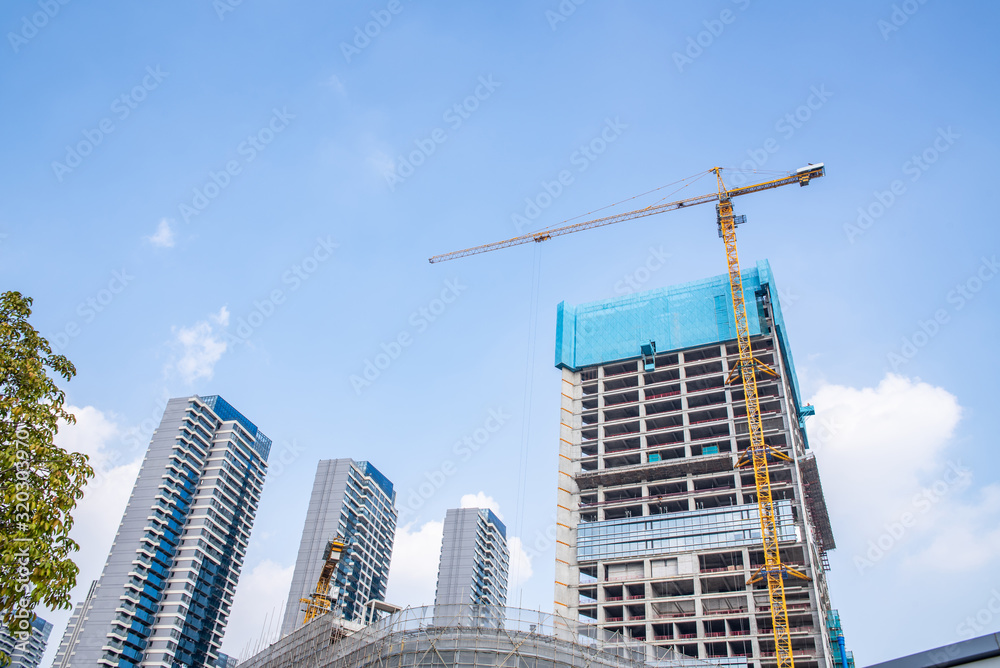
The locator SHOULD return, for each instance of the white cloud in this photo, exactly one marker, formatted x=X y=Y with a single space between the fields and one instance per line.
x=199 y=348
x=887 y=440
x=381 y=162
x=90 y=435
x=164 y=235
x=966 y=537
x=336 y=84
x=519 y=569
x=258 y=608
x=413 y=571
x=894 y=482
x=417 y=553
x=222 y=317
x=481 y=500
x=99 y=512
x=906 y=503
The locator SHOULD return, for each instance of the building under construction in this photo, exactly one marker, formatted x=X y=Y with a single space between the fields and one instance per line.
x=659 y=535
x=449 y=636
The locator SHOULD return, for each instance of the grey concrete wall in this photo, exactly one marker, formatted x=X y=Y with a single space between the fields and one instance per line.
x=472 y=548
x=321 y=524
x=111 y=585
x=458 y=557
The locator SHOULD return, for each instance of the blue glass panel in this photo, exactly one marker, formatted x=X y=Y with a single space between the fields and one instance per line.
x=225 y=411
x=728 y=526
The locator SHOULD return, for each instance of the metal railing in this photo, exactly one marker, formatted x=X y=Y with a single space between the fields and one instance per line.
x=434 y=636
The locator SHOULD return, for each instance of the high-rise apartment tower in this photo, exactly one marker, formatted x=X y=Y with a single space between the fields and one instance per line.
x=351 y=500
x=474 y=559
x=73 y=628
x=226 y=661
x=658 y=532
x=164 y=596
x=26 y=652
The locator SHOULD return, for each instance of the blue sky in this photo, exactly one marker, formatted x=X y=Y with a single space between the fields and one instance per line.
x=241 y=199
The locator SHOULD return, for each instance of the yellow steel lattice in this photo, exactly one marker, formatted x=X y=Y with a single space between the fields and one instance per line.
x=757 y=453
x=320 y=602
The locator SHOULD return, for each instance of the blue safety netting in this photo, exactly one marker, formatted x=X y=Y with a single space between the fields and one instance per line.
x=676 y=317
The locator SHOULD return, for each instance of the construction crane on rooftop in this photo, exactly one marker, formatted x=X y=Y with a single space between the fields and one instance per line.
x=756 y=455
x=321 y=600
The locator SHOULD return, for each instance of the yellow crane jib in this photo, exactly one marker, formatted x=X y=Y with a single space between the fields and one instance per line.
x=758 y=452
x=321 y=600
x=802 y=176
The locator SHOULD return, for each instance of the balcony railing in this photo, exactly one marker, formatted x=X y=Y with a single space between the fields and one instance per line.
x=729 y=611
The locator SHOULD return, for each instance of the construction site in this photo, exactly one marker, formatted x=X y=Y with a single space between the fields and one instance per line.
x=507 y=335
x=689 y=515
x=691 y=526
x=659 y=529
x=691 y=523
x=453 y=635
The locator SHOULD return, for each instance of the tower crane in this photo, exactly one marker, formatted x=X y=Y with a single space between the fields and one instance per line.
x=757 y=454
x=321 y=600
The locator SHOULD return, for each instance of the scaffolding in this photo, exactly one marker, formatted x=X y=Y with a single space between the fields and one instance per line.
x=842 y=658
x=816 y=503
x=465 y=636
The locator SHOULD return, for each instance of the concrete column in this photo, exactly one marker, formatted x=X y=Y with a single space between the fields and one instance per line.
x=643 y=456
x=567 y=579
x=685 y=409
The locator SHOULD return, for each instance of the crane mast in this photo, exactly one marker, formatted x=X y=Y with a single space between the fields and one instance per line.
x=756 y=455
x=321 y=600
x=772 y=568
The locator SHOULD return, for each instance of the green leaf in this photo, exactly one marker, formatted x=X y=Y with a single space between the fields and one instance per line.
x=40 y=483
